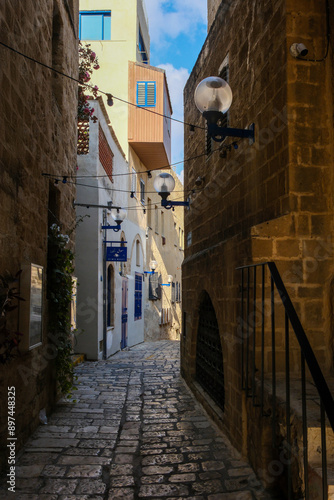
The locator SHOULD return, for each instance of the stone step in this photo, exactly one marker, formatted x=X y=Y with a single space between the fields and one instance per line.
x=77 y=359
x=314 y=446
x=313 y=432
x=315 y=483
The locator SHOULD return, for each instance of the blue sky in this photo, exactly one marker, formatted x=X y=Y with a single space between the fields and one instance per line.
x=177 y=29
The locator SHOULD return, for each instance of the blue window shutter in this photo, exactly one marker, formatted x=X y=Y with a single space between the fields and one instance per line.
x=138 y=295
x=146 y=94
x=141 y=94
x=150 y=94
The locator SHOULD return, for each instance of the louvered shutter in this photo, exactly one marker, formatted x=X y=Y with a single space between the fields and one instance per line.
x=146 y=94
x=141 y=93
x=150 y=94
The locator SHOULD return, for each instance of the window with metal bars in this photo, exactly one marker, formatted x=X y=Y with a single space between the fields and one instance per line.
x=146 y=94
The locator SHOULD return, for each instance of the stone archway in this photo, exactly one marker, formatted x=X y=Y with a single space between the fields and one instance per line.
x=209 y=355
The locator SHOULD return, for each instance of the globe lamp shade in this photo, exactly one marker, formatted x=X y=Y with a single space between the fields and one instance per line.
x=164 y=185
x=153 y=265
x=213 y=94
x=118 y=214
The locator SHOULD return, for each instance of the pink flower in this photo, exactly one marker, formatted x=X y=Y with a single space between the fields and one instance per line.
x=92 y=56
x=96 y=66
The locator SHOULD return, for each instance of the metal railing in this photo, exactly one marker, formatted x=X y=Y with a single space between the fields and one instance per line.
x=259 y=290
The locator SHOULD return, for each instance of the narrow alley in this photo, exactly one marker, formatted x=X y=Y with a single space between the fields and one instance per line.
x=134 y=431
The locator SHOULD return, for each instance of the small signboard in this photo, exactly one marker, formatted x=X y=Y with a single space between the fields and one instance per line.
x=117 y=254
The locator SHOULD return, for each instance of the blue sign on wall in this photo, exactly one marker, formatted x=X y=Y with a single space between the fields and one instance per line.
x=118 y=254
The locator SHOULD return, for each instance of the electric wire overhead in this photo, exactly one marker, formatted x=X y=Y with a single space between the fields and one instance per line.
x=227 y=147
x=109 y=96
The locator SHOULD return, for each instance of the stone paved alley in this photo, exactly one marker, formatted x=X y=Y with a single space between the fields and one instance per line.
x=135 y=431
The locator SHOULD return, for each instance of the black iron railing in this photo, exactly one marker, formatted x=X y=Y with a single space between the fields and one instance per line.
x=263 y=295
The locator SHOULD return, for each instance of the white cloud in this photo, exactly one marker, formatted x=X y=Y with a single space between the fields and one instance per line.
x=170 y=18
x=176 y=79
x=181 y=176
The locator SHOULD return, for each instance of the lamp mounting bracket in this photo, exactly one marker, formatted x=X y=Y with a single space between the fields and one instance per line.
x=218 y=134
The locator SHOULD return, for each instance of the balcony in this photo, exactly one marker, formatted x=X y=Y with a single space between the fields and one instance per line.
x=149 y=134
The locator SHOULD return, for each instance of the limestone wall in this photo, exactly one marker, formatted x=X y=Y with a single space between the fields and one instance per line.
x=38 y=134
x=268 y=201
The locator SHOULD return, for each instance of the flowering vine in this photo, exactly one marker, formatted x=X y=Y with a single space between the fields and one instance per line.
x=88 y=62
x=60 y=289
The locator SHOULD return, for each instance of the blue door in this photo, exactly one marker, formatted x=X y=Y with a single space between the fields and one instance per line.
x=124 y=341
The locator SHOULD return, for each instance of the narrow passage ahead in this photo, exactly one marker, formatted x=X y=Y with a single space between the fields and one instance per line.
x=135 y=431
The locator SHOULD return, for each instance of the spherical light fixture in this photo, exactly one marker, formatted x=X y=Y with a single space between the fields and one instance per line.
x=118 y=214
x=213 y=94
x=153 y=265
x=164 y=184
x=213 y=97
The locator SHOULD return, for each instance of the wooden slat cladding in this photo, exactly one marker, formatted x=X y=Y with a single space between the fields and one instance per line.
x=147 y=131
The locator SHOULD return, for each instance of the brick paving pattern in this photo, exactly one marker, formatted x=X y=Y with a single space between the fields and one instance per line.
x=135 y=431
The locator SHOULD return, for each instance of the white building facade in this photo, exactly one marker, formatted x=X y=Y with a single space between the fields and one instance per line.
x=110 y=292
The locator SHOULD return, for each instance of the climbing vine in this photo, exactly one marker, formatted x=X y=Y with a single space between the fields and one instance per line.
x=60 y=289
x=88 y=62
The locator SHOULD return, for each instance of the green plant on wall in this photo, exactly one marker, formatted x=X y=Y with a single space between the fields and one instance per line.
x=9 y=297
x=87 y=63
x=60 y=283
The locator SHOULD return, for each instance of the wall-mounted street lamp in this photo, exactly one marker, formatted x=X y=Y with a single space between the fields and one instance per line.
x=169 y=279
x=118 y=214
x=153 y=266
x=213 y=97
x=164 y=184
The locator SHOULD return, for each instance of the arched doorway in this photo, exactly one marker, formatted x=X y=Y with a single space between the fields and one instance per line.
x=209 y=356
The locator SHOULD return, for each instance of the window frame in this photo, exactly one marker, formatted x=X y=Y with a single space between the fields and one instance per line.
x=141 y=47
x=103 y=14
x=146 y=86
x=142 y=191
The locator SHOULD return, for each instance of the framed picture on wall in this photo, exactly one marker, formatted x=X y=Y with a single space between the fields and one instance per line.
x=31 y=310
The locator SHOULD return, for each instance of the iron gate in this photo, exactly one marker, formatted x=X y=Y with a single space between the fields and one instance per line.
x=209 y=356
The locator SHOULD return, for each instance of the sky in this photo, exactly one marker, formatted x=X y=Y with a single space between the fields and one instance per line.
x=177 y=29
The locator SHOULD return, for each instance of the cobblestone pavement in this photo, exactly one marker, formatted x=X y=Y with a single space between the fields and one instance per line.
x=135 y=431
